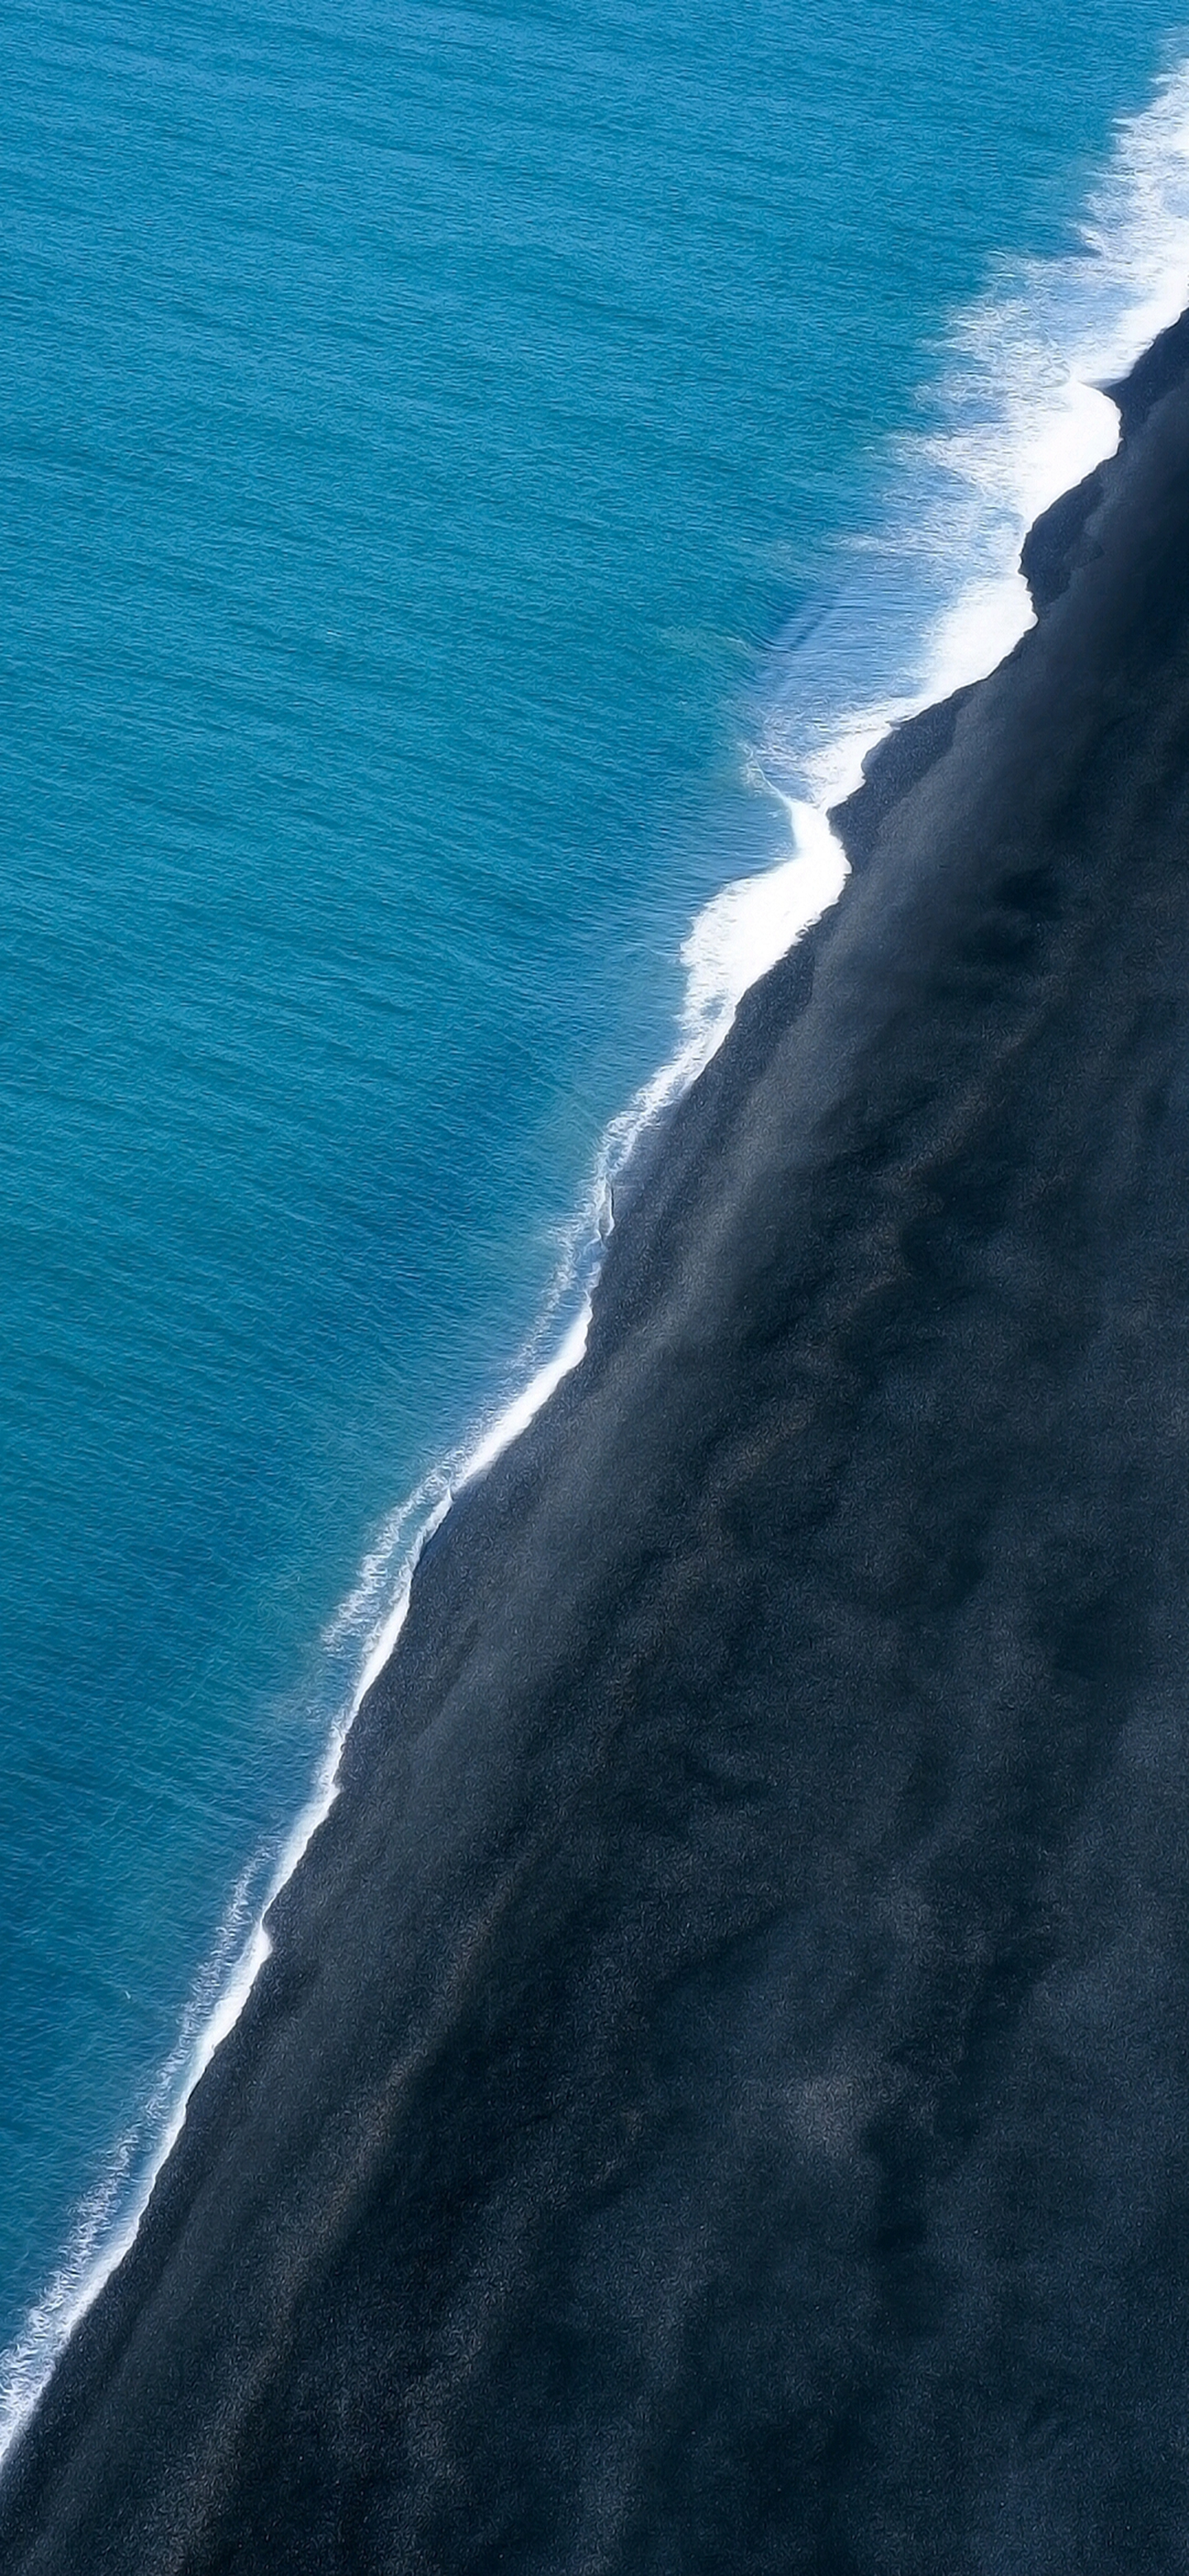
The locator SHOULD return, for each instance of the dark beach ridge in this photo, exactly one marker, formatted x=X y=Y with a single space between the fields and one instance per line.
x=719 y=2098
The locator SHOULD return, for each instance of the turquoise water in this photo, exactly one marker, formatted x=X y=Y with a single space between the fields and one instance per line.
x=451 y=459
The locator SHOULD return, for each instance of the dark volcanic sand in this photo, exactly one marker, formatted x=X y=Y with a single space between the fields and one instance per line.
x=720 y=2099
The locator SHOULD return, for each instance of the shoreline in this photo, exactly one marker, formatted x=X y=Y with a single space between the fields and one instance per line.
x=750 y=923
x=502 y=1592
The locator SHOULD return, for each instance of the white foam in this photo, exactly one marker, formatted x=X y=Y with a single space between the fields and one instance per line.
x=1020 y=420
x=1019 y=417
x=105 y=2223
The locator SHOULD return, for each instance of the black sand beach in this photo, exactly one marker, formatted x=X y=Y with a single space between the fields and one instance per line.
x=720 y=2096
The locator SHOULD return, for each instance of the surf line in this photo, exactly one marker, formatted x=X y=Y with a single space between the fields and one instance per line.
x=1024 y=419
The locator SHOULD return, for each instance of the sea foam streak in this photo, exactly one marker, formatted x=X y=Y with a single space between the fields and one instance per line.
x=935 y=599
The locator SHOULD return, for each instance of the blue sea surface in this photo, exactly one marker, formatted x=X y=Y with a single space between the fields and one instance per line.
x=432 y=440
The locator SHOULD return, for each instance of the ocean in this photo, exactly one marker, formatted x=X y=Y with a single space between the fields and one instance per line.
x=473 y=481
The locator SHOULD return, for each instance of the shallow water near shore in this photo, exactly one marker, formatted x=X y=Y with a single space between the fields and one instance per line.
x=464 y=473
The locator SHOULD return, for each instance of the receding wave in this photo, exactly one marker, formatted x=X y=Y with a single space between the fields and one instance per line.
x=931 y=598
